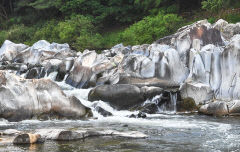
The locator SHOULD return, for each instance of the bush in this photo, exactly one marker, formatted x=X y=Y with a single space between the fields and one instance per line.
x=232 y=18
x=18 y=34
x=213 y=5
x=151 y=28
x=47 y=32
x=78 y=31
x=212 y=20
x=3 y=37
x=88 y=41
x=110 y=39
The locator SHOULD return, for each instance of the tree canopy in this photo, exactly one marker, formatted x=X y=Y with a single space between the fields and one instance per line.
x=97 y=24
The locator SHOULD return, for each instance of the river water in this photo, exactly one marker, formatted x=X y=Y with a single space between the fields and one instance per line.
x=167 y=131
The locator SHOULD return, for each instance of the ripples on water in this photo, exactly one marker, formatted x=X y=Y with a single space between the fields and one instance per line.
x=167 y=132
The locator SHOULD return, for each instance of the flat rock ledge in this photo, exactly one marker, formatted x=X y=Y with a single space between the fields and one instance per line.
x=39 y=136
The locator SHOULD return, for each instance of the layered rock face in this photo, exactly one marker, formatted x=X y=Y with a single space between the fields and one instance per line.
x=201 y=59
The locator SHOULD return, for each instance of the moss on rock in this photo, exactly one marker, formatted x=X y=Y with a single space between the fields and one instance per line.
x=187 y=104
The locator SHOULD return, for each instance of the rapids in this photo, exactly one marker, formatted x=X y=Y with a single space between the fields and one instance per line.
x=167 y=131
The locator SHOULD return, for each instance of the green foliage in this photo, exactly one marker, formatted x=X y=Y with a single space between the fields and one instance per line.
x=232 y=18
x=47 y=32
x=77 y=31
x=36 y=4
x=212 y=20
x=216 y=5
x=151 y=28
x=3 y=37
x=18 y=34
x=88 y=41
x=110 y=39
x=83 y=23
x=213 y=5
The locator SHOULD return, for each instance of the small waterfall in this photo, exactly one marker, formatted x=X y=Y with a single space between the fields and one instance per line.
x=173 y=97
x=164 y=103
x=82 y=95
x=52 y=75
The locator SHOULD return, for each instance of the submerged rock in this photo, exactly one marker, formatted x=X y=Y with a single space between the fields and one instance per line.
x=103 y=111
x=11 y=132
x=68 y=135
x=26 y=139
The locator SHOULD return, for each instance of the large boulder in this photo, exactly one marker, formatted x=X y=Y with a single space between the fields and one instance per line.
x=88 y=66
x=10 y=50
x=43 y=50
x=216 y=108
x=199 y=92
x=234 y=106
x=121 y=96
x=24 y=99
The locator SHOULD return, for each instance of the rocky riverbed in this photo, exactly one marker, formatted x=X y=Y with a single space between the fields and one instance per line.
x=164 y=85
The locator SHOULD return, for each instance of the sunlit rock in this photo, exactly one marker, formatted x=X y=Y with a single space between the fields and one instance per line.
x=199 y=92
x=230 y=30
x=88 y=66
x=220 y=24
x=11 y=132
x=23 y=99
x=141 y=49
x=10 y=50
x=168 y=65
x=67 y=135
x=43 y=50
x=120 y=49
x=216 y=108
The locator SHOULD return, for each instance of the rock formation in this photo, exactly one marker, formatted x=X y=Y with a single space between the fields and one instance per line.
x=200 y=59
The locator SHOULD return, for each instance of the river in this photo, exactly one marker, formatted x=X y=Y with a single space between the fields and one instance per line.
x=167 y=131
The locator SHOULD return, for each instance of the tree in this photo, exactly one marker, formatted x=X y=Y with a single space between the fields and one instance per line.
x=216 y=5
x=6 y=8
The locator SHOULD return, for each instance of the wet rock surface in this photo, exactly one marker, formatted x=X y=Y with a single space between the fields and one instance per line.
x=122 y=96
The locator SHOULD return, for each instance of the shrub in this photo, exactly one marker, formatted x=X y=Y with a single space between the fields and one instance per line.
x=151 y=28
x=232 y=18
x=212 y=20
x=78 y=31
x=110 y=39
x=213 y=5
x=3 y=37
x=88 y=41
x=47 y=32
x=19 y=33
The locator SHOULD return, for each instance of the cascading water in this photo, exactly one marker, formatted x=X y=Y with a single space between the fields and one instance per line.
x=165 y=102
x=173 y=101
x=180 y=131
x=82 y=95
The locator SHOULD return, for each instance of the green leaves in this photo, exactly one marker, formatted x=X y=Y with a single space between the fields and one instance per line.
x=213 y=5
x=151 y=28
x=216 y=5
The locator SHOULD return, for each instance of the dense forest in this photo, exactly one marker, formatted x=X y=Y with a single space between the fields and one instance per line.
x=99 y=24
